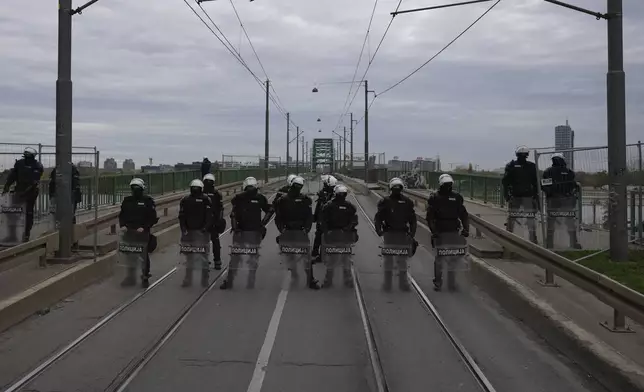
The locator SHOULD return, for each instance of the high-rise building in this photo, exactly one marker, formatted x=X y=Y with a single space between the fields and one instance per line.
x=128 y=165
x=565 y=140
x=110 y=164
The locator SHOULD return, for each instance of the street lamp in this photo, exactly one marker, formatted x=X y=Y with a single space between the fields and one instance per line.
x=366 y=125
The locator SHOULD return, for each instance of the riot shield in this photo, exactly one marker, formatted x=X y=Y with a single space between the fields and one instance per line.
x=244 y=256
x=395 y=251
x=336 y=250
x=194 y=247
x=562 y=218
x=451 y=257
x=133 y=249
x=523 y=217
x=51 y=224
x=295 y=248
x=12 y=219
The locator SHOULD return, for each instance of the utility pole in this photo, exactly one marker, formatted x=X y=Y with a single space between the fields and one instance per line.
x=266 y=137
x=308 y=157
x=344 y=154
x=366 y=132
x=303 y=154
x=297 y=151
x=288 y=139
x=351 y=143
x=64 y=103
x=616 y=115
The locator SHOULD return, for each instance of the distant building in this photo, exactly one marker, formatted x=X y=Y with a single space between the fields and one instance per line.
x=426 y=164
x=565 y=140
x=187 y=166
x=110 y=164
x=128 y=165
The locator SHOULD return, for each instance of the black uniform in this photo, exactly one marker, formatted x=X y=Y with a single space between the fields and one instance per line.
x=195 y=213
x=26 y=174
x=205 y=167
x=324 y=196
x=521 y=191
x=396 y=215
x=218 y=222
x=446 y=213
x=76 y=188
x=339 y=214
x=293 y=212
x=246 y=216
x=561 y=190
x=139 y=211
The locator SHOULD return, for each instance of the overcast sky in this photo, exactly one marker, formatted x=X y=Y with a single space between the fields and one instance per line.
x=150 y=80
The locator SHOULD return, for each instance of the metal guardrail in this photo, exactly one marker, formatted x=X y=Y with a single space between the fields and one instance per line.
x=49 y=242
x=624 y=300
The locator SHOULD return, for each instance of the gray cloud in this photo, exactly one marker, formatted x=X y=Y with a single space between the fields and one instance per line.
x=150 y=79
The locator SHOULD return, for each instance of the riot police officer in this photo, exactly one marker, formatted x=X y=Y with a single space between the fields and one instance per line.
x=446 y=213
x=218 y=221
x=205 y=166
x=26 y=174
x=396 y=214
x=293 y=212
x=324 y=196
x=559 y=185
x=138 y=212
x=339 y=214
x=76 y=190
x=246 y=215
x=195 y=215
x=521 y=190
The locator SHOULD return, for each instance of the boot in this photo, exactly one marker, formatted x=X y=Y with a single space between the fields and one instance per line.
x=250 y=284
x=328 y=279
x=387 y=282
x=187 y=280
x=205 y=278
x=130 y=279
x=145 y=281
x=403 y=281
x=438 y=284
x=348 y=278
x=228 y=282
x=574 y=241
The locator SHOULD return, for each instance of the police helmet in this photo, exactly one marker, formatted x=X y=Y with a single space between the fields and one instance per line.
x=196 y=183
x=522 y=150
x=324 y=178
x=557 y=155
x=205 y=157
x=396 y=182
x=297 y=180
x=445 y=179
x=332 y=181
x=340 y=190
x=290 y=178
x=29 y=153
x=249 y=182
x=209 y=177
x=137 y=182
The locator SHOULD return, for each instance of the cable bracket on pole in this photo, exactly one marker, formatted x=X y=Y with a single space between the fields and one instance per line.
x=438 y=6
x=80 y=9
x=597 y=15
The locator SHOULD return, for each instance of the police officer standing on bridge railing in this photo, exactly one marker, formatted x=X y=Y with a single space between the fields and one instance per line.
x=324 y=196
x=195 y=215
x=561 y=190
x=246 y=215
x=218 y=221
x=206 y=165
x=446 y=213
x=138 y=212
x=396 y=214
x=521 y=190
x=293 y=212
x=339 y=214
x=26 y=174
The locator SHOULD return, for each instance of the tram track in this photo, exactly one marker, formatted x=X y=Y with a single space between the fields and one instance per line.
x=127 y=374
x=379 y=372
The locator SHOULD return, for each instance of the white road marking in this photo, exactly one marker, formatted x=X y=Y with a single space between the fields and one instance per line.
x=269 y=341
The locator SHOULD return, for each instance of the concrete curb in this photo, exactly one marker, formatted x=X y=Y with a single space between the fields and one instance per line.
x=602 y=361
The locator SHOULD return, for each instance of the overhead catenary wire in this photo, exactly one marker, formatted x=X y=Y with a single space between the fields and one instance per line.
x=355 y=72
x=371 y=59
x=440 y=51
x=232 y=50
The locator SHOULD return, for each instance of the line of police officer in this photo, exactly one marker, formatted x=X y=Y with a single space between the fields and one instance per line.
x=521 y=192
x=203 y=211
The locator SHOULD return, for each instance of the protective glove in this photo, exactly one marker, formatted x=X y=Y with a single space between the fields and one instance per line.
x=263 y=232
x=379 y=231
x=465 y=233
